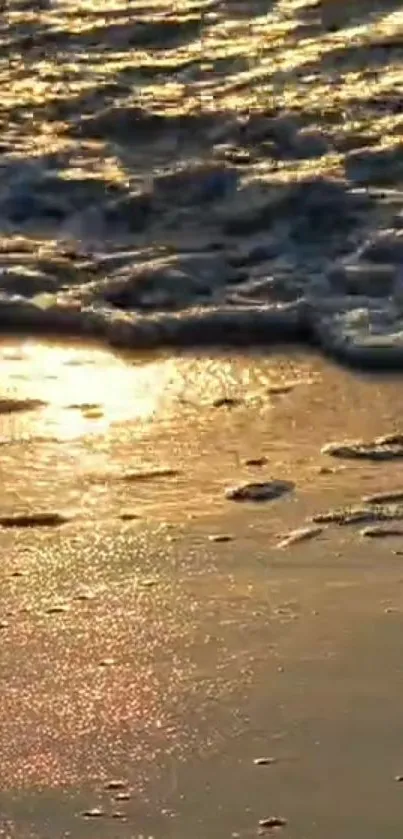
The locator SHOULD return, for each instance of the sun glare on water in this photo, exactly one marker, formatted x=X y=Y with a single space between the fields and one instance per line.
x=79 y=391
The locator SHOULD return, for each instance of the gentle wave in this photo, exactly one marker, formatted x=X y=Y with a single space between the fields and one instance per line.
x=224 y=173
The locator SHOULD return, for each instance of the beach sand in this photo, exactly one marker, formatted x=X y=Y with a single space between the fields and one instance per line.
x=161 y=640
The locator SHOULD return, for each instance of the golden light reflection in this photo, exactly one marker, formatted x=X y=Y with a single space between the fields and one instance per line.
x=83 y=390
x=69 y=391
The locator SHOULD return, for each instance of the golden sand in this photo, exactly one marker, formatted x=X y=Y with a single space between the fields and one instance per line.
x=164 y=639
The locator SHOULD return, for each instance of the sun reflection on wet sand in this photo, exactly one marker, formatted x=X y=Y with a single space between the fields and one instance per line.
x=139 y=646
x=84 y=390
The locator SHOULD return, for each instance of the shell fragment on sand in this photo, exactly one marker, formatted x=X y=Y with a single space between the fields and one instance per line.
x=302 y=534
x=265 y=491
x=272 y=822
x=265 y=761
x=384 y=497
x=360 y=515
x=377 y=532
x=387 y=447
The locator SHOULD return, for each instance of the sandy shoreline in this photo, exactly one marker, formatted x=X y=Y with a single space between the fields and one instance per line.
x=145 y=650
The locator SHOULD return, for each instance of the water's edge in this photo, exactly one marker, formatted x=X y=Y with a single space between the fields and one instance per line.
x=224 y=174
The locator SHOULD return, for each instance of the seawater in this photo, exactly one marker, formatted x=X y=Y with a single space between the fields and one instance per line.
x=224 y=172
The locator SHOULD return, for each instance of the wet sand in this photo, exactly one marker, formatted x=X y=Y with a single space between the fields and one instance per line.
x=161 y=640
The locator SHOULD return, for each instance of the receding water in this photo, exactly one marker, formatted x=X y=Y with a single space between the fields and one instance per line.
x=203 y=172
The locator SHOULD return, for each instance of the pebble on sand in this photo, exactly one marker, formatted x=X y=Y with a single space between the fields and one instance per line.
x=226 y=402
x=272 y=822
x=128 y=515
x=116 y=784
x=56 y=609
x=220 y=537
x=92 y=413
x=94 y=813
x=264 y=761
x=278 y=390
x=256 y=461
x=267 y=491
x=84 y=595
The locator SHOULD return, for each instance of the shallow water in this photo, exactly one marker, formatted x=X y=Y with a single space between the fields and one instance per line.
x=216 y=172
x=143 y=650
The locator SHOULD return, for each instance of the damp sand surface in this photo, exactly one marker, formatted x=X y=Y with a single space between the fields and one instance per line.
x=164 y=645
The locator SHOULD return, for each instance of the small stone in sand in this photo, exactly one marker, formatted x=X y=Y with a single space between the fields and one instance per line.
x=328 y=470
x=267 y=491
x=302 y=534
x=122 y=796
x=220 y=537
x=84 y=595
x=256 y=461
x=92 y=413
x=4 y=624
x=107 y=662
x=129 y=516
x=272 y=822
x=149 y=582
x=57 y=609
x=264 y=761
x=226 y=402
x=94 y=813
x=399 y=779
x=278 y=390
x=116 y=783
x=118 y=815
